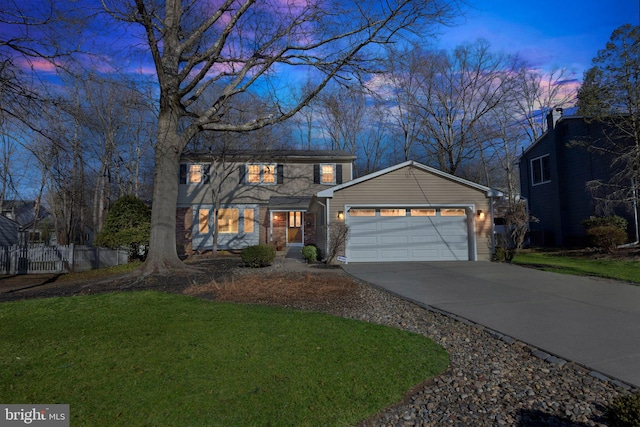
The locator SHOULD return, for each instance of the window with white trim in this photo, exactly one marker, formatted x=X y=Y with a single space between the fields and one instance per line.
x=194 y=173
x=227 y=221
x=328 y=173
x=260 y=173
x=541 y=170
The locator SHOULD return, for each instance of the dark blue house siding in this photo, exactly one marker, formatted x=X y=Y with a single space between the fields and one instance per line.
x=563 y=203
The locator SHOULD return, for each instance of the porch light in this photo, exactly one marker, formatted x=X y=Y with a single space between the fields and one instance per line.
x=340 y=215
x=480 y=214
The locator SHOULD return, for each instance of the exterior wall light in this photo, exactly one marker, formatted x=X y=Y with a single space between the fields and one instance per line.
x=480 y=214
x=340 y=215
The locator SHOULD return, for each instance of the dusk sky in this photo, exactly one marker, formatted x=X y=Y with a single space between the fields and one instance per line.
x=566 y=33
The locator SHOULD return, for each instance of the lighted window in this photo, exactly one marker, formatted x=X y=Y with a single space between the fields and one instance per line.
x=362 y=212
x=423 y=212
x=328 y=174
x=253 y=173
x=269 y=174
x=228 y=221
x=453 y=212
x=295 y=219
x=261 y=173
x=195 y=173
x=248 y=221
x=203 y=221
x=393 y=212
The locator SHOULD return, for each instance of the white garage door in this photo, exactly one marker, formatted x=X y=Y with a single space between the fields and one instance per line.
x=407 y=234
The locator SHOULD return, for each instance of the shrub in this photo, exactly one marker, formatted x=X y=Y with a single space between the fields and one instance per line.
x=128 y=224
x=607 y=237
x=310 y=253
x=258 y=256
x=599 y=221
x=624 y=411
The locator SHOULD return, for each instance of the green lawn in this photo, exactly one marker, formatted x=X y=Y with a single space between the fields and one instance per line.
x=149 y=358
x=627 y=270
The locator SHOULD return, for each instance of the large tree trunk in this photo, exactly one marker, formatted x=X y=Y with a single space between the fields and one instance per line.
x=163 y=255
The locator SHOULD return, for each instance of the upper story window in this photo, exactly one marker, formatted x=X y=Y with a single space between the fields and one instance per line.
x=327 y=173
x=194 y=173
x=541 y=170
x=261 y=173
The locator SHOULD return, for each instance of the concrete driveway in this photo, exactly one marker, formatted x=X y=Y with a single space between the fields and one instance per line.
x=593 y=322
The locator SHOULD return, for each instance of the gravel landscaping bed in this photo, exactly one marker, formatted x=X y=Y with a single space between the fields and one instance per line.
x=492 y=380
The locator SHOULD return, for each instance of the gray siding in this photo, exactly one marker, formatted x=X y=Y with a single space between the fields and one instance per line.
x=562 y=205
x=297 y=182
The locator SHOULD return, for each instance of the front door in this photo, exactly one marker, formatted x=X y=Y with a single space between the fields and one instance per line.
x=294 y=229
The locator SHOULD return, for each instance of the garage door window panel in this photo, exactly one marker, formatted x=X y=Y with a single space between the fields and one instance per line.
x=423 y=212
x=393 y=212
x=453 y=212
x=362 y=212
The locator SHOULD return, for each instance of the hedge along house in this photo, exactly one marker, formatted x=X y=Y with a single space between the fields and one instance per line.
x=259 y=196
x=408 y=212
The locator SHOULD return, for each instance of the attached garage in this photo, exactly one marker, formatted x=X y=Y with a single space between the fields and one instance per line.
x=408 y=212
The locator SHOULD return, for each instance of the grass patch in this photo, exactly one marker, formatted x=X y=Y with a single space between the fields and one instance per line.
x=149 y=358
x=620 y=269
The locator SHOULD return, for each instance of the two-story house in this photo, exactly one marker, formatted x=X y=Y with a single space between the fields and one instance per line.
x=554 y=172
x=262 y=196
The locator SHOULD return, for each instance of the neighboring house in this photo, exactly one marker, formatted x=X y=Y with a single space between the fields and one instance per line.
x=554 y=172
x=409 y=212
x=30 y=228
x=263 y=196
x=9 y=231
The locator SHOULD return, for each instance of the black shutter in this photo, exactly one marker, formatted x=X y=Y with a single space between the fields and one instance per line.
x=183 y=173
x=280 y=169
x=206 y=173
x=243 y=173
x=316 y=174
x=338 y=174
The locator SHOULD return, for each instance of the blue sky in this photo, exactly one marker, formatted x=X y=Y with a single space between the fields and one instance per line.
x=565 y=33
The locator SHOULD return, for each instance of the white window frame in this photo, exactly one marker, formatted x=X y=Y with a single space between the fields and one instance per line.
x=333 y=173
x=540 y=169
x=263 y=167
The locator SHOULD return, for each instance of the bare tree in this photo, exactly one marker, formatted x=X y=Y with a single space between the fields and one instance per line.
x=537 y=93
x=237 y=46
x=458 y=91
x=399 y=88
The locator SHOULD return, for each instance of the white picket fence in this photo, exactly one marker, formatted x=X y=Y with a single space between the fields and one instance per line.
x=40 y=258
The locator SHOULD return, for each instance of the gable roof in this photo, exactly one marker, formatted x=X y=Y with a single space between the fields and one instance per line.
x=489 y=192
x=23 y=211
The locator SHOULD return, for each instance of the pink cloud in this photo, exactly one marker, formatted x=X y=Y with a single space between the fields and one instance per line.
x=36 y=64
